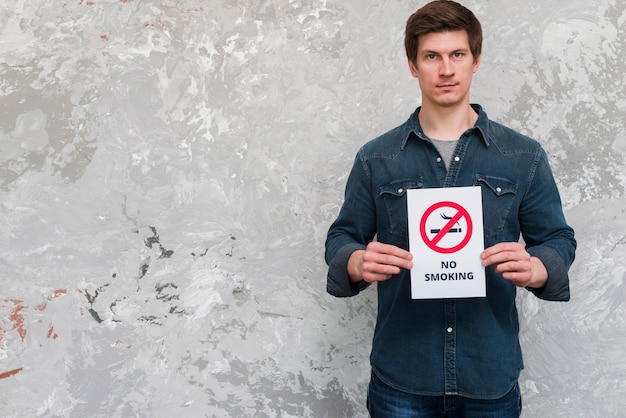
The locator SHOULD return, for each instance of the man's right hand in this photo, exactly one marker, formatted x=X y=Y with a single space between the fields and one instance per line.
x=378 y=262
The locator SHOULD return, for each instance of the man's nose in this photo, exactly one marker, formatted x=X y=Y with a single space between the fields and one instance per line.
x=446 y=68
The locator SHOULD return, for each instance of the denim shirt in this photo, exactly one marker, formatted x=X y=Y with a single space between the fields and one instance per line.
x=468 y=347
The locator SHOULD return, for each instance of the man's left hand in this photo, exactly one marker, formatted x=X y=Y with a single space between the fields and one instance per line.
x=516 y=264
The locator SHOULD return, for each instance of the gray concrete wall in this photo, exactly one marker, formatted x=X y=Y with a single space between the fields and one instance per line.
x=168 y=171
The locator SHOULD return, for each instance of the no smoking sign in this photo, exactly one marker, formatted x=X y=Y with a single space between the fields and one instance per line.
x=446 y=239
x=450 y=236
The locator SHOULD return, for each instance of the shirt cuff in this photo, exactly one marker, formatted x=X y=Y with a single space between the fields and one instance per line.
x=338 y=282
x=557 y=286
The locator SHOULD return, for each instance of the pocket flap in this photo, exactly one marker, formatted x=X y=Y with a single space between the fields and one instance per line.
x=399 y=188
x=499 y=186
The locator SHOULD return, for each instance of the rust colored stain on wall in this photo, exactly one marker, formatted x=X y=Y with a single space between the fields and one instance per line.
x=10 y=373
x=16 y=317
x=17 y=312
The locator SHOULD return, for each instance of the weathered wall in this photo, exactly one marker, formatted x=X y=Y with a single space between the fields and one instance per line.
x=168 y=170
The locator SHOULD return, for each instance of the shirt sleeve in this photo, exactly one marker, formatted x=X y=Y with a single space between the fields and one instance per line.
x=557 y=286
x=546 y=232
x=338 y=282
x=353 y=229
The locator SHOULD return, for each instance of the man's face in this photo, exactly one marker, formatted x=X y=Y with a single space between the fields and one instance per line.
x=444 y=67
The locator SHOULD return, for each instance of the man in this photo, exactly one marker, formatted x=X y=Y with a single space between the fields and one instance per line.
x=449 y=357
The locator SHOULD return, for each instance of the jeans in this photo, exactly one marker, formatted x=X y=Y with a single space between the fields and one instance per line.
x=385 y=402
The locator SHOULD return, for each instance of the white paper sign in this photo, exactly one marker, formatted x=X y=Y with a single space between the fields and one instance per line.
x=446 y=239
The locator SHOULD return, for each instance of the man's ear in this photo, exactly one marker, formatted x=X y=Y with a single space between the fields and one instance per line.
x=413 y=69
x=476 y=64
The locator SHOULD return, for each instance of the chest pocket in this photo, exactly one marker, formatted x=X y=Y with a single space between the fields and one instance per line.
x=498 y=197
x=393 y=196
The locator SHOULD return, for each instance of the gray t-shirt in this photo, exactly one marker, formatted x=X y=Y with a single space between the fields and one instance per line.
x=446 y=149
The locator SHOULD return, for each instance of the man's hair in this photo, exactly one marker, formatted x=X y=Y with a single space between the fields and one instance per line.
x=442 y=16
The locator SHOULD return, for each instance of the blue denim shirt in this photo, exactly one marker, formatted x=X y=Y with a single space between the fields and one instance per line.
x=468 y=347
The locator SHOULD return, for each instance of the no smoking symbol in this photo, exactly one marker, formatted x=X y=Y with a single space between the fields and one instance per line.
x=463 y=235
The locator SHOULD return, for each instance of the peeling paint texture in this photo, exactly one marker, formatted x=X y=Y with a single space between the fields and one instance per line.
x=169 y=169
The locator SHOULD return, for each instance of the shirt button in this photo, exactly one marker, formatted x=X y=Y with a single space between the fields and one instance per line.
x=457 y=159
x=438 y=159
x=400 y=191
x=449 y=329
x=498 y=189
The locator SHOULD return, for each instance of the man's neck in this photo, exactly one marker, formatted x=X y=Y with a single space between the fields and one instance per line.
x=447 y=124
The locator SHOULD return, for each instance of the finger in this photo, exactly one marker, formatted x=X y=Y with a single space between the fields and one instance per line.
x=373 y=277
x=520 y=279
x=378 y=272
x=380 y=265
x=513 y=266
x=388 y=255
x=506 y=257
x=386 y=261
x=502 y=247
x=381 y=248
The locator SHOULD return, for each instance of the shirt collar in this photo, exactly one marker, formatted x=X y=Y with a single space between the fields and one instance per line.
x=413 y=126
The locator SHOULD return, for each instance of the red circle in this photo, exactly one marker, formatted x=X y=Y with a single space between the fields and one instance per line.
x=464 y=214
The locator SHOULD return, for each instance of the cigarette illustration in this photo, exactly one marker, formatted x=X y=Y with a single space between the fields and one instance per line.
x=443 y=215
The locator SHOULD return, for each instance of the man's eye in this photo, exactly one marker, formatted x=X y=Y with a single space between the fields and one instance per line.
x=431 y=56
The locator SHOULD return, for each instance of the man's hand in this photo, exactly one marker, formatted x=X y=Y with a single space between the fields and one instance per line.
x=378 y=262
x=515 y=264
